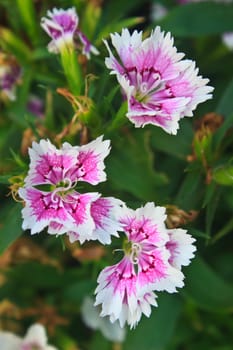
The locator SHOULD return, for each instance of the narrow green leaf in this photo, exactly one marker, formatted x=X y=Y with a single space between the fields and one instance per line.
x=131 y=167
x=119 y=119
x=4 y=179
x=11 y=223
x=116 y=26
x=225 y=106
x=198 y=19
x=12 y=43
x=113 y=9
x=27 y=12
x=224 y=175
x=219 y=136
x=223 y=231
x=76 y=292
x=212 y=206
x=178 y=146
x=191 y=191
x=156 y=332
x=207 y=289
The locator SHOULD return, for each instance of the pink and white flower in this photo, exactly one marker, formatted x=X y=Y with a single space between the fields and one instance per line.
x=126 y=289
x=181 y=248
x=51 y=198
x=88 y=48
x=35 y=339
x=160 y=86
x=62 y=26
x=103 y=214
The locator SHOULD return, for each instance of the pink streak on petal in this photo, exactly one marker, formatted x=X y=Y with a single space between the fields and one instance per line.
x=51 y=168
x=78 y=206
x=44 y=207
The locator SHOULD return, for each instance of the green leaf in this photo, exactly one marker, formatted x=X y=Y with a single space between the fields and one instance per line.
x=131 y=167
x=207 y=289
x=11 y=222
x=119 y=119
x=27 y=12
x=117 y=26
x=156 y=332
x=225 y=106
x=77 y=291
x=198 y=19
x=212 y=197
x=12 y=43
x=191 y=191
x=178 y=146
x=4 y=179
x=224 y=175
x=220 y=134
x=113 y=9
x=99 y=342
x=223 y=231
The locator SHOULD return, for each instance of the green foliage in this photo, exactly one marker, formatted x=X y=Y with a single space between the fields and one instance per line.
x=217 y=297
x=10 y=218
x=191 y=170
x=156 y=333
x=199 y=19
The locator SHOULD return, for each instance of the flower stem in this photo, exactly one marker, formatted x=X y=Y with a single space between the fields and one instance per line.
x=225 y=230
x=72 y=70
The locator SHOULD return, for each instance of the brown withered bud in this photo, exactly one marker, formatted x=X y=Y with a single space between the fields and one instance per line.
x=211 y=121
x=177 y=217
x=29 y=136
x=204 y=127
x=10 y=314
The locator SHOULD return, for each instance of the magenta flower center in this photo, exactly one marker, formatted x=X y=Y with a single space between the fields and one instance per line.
x=147 y=81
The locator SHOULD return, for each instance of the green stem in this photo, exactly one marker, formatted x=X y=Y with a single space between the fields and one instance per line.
x=72 y=70
x=120 y=118
x=225 y=230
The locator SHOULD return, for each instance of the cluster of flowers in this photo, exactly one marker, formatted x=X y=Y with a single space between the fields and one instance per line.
x=153 y=255
x=160 y=89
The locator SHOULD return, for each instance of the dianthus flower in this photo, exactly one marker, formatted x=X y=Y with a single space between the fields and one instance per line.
x=62 y=26
x=35 y=339
x=51 y=198
x=160 y=87
x=152 y=261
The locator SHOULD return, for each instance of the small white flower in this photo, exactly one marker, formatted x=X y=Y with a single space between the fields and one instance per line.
x=91 y=317
x=35 y=339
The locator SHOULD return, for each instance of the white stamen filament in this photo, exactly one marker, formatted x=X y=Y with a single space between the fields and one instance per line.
x=67 y=186
x=135 y=250
x=145 y=90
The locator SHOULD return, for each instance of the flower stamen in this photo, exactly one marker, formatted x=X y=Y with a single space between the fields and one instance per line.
x=134 y=252
x=62 y=190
